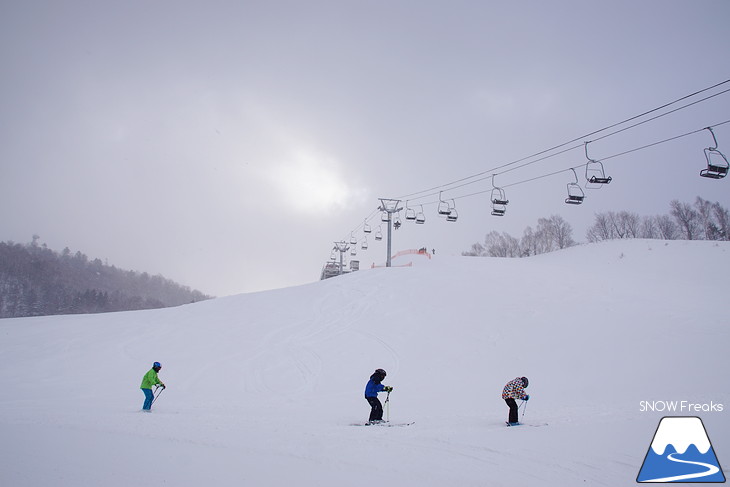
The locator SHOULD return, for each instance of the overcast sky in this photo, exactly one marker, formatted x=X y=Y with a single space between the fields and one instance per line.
x=227 y=144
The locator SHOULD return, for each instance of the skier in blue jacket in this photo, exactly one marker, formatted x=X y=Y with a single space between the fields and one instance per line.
x=371 y=395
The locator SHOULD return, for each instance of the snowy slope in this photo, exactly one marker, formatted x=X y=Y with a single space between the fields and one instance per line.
x=262 y=387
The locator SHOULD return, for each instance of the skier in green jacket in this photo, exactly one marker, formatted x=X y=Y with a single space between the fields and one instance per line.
x=150 y=379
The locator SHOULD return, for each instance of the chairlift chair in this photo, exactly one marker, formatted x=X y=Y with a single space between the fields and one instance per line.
x=453 y=215
x=421 y=217
x=575 y=192
x=498 y=209
x=384 y=216
x=353 y=240
x=366 y=228
x=717 y=164
x=601 y=178
x=595 y=170
x=498 y=195
x=410 y=213
x=444 y=208
x=379 y=234
x=364 y=245
x=499 y=200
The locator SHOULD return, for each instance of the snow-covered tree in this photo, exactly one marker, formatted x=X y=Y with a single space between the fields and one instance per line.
x=687 y=219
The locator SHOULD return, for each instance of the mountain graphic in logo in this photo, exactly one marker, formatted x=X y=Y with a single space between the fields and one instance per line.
x=681 y=452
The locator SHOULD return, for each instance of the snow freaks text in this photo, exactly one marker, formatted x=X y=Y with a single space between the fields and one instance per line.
x=684 y=407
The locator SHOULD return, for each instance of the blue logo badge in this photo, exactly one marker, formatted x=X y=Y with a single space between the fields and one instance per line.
x=681 y=452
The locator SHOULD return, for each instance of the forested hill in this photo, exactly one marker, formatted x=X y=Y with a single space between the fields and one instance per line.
x=37 y=281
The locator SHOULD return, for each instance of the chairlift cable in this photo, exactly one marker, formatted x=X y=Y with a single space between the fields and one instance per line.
x=506 y=171
x=610 y=157
x=659 y=116
x=554 y=173
x=481 y=176
x=600 y=138
x=367 y=219
x=663 y=141
x=583 y=137
x=617 y=132
x=573 y=147
x=559 y=171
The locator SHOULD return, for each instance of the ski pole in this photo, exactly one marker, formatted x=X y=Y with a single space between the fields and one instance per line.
x=524 y=403
x=158 y=395
x=387 y=407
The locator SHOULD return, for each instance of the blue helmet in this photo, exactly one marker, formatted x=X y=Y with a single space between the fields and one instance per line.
x=157 y=364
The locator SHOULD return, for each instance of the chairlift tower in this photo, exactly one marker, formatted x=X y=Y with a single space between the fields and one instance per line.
x=341 y=247
x=389 y=206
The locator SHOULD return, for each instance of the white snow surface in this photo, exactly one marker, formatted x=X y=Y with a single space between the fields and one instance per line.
x=262 y=388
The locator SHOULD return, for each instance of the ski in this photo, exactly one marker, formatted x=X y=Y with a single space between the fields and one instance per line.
x=386 y=424
x=534 y=425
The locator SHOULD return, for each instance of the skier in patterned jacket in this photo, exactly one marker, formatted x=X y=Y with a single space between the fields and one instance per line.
x=515 y=389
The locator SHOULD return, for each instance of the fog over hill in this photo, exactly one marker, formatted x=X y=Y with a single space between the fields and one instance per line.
x=37 y=281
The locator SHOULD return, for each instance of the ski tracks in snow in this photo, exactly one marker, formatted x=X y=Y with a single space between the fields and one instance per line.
x=283 y=359
x=287 y=361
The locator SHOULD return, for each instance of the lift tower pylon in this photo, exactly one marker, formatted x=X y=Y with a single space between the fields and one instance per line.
x=389 y=206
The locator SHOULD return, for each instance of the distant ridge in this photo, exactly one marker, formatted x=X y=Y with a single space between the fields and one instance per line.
x=37 y=281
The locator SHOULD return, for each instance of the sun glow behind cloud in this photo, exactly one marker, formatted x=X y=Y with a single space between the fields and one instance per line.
x=310 y=182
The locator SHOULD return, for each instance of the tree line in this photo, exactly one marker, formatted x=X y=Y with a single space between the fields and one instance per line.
x=37 y=281
x=702 y=220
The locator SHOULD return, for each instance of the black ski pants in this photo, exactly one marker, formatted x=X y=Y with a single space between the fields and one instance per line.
x=376 y=408
x=513 y=409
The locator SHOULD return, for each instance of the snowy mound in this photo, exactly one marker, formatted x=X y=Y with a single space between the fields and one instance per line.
x=262 y=388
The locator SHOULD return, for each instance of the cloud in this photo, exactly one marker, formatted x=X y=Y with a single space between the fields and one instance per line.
x=310 y=182
x=514 y=103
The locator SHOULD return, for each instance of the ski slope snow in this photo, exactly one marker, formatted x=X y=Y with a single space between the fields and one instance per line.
x=263 y=387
